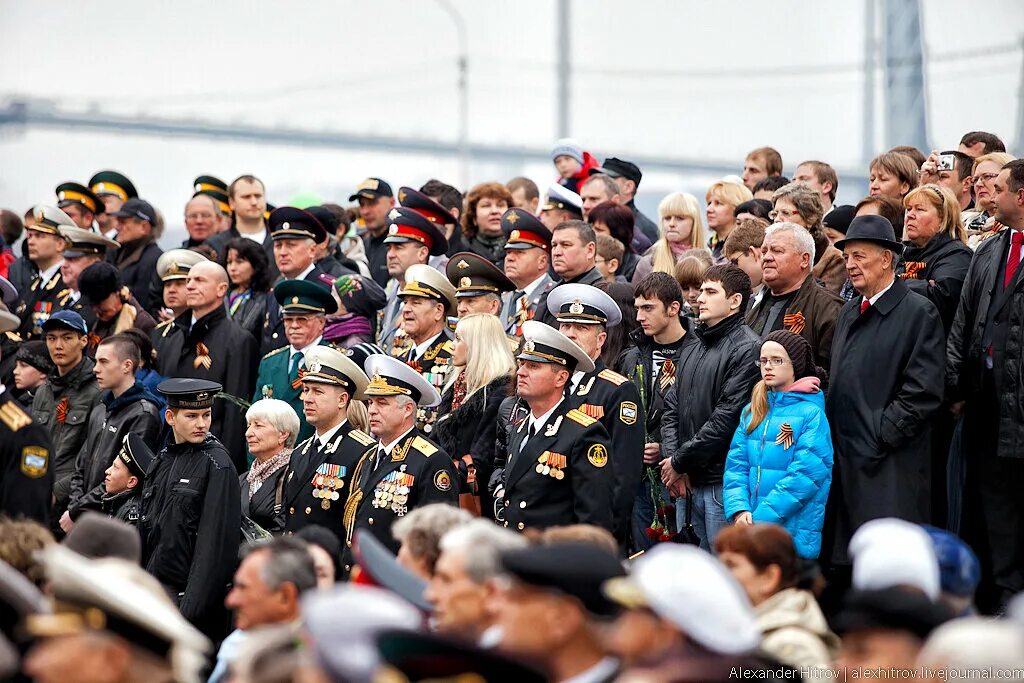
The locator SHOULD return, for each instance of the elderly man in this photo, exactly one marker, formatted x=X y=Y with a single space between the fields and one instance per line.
x=138 y=254
x=464 y=587
x=322 y=475
x=627 y=177
x=794 y=300
x=406 y=470
x=202 y=220
x=557 y=469
x=573 y=258
x=205 y=343
x=267 y=589
x=527 y=260
x=83 y=248
x=886 y=385
x=46 y=248
x=305 y=306
x=584 y=314
x=479 y=284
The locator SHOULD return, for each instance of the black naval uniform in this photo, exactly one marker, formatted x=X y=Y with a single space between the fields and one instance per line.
x=26 y=472
x=66 y=302
x=416 y=473
x=125 y=506
x=561 y=475
x=317 y=474
x=40 y=302
x=190 y=528
x=232 y=363
x=436 y=367
x=615 y=401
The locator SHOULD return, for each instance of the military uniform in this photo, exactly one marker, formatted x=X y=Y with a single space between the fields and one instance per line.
x=522 y=230
x=47 y=289
x=191 y=516
x=125 y=506
x=26 y=472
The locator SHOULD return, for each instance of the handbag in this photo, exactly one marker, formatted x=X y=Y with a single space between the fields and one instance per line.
x=687 y=534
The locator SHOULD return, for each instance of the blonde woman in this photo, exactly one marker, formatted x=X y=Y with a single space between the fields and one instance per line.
x=892 y=174
x=722 y=198
x=681 y=229
x=981 y=223
x=936 y=257
x=468 y=420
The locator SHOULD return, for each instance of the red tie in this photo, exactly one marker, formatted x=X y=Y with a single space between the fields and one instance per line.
x=864 y=305
x=1016 y=239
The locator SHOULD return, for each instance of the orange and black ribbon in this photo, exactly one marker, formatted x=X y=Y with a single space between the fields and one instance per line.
x=794 y=322
x=202 y=357
x=62 y=410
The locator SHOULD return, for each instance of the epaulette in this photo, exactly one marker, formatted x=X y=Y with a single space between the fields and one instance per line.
x=14 y=337
x=424 y=446
x=611 y=376
x=167 y=327
x=274 y=352
x=13 y=416
x=448 y=346
x=579 y=417
x=362 y=437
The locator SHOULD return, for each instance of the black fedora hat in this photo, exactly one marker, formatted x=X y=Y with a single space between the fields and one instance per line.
x=875 y=229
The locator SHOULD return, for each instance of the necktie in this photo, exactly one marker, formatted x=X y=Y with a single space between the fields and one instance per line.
x=514 y=309
x=864 y=305
x=529 y=435
x=1016 y=239
x=293 y=372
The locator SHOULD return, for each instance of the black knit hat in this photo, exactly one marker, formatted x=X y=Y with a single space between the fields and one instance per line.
x=799 y=351
x=34 y=353
x=99 y=281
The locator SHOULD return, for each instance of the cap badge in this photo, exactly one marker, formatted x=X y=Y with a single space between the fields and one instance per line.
x=368 y=184
x=295 y=299
x=513 y=218
x=514 y=235
x=315 y=366
x=61 y=195
x=199 y=186
x=529 y=346
x=401 y=196
x=202 y=396
x=286 y=225
x=393 y=214
x=393 y=230
x=576 y=308
x=38 y=213
x=465 y=282
x=463 y=264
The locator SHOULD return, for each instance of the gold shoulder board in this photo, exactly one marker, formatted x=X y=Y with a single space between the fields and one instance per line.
x=12 y=415
x=424 y=446
x=362 y=437
x=612 y=376
x=275 y=352
x=579 y=417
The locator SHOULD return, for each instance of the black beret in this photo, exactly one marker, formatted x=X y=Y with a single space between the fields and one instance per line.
x=576 y=569
x=99 y=281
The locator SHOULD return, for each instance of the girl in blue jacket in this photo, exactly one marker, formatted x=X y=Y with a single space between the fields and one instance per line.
x=779 y=466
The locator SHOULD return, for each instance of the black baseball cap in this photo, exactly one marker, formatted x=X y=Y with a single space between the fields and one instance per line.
x=137 y=208
x=372 y=188
x=618 y=168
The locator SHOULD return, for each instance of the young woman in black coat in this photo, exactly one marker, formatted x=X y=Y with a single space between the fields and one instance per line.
x=249 y=271
x=469 y=406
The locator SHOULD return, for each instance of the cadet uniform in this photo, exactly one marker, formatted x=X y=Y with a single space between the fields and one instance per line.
x=26 y=475
x=281 y=371
x=523 y=231
x=394 y=478
x=191 y=516
x=43 y=296
x=432 y=358
x=321 y=478
x=138 y=458
x=606 y=395
x=83 y=244
x=557 y=471
x=407 y=225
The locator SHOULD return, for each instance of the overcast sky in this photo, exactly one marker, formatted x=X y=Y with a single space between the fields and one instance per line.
x=689 y=80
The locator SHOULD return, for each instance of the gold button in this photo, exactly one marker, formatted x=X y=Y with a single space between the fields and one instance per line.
x=348 y=543
x=521 y=526
x=348 y=567
x=371 y=521
x=291 y=510
x=308 y=510
x=506 y=503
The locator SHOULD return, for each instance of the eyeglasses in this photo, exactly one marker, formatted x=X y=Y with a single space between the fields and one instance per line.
x=770 y=362
x=785 y=213
x=297 y=320
x=985 y=178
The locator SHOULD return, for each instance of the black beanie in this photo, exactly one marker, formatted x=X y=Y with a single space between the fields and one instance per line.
x=34 y=353
x=799 y=351
x=99 y=281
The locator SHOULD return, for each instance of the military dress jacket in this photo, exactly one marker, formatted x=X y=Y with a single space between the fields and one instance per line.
x=273 y=321
x=615 y=401
x=272 y=381
x=416 y=473
x=517 y=310
x=319 y=481
x=561 y=475
x=26 y=467
x=37 y=304
x=435 y=364
x=125 y=506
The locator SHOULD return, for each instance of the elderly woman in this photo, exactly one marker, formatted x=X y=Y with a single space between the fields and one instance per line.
x=722 y=198
x=272 y=429
x=981 y=224
x=420 y=534
x=801 y=204
x=681 y=230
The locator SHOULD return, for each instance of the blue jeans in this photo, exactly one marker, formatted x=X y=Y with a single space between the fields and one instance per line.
x=708 y=516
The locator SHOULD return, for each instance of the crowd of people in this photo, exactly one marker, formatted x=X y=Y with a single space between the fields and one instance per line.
x=520 y=435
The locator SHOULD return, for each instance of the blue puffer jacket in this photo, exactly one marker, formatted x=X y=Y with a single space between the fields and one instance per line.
x=786 y=486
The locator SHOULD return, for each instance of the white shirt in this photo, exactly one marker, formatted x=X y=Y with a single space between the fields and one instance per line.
x=256 y=237
x=602 y=671
x=878 y=296
x=574 y=381
x=537 y=422
x=45 y=275
x=302 y=351
x=303 y=274
x=326 y=437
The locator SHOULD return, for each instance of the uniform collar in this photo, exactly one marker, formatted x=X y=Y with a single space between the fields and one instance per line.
x=45 y=275
x=326 y=437
x=542 y=420
x=387 y=448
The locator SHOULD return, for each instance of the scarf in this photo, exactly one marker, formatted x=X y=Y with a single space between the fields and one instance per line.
x=459 y=391
x=261 y=471
x=346 y=327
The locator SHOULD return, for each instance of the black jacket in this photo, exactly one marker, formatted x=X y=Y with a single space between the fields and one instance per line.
x=137 y=262
x=219 y=243
x=648 y=227
x=233 y=363
x=511 y=412
x=191 y=529
x=591 y=277
x=26 y=464
x=984 y=304
x=377 y=257
x=110 y=421
x=886 y=386
x=66 y=426
x=125 y=506
x=713 y=382
x=944 y=261
x=637 y=362
x=262 y=507
x=252 y=314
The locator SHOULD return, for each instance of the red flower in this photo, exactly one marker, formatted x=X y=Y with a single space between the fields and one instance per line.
x=653 y=534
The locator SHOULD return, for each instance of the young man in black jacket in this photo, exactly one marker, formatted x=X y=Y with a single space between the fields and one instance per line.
x=713 y=384
x=651 y=363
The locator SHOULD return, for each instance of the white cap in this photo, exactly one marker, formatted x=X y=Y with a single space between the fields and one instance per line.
x=392 y=377
x=175 y=263
x=545 y=344
x=892 y=552
x=975 y=643
x=688 y=587
x=575 y=302
x=423 y=281
x=562 y=198
x=326 y=365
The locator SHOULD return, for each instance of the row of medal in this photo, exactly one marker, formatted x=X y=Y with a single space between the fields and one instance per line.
x=393 y=492
x=551 y=465
x=327 y=481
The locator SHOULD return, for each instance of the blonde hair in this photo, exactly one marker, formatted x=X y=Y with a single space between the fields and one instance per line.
x=947 y=205
x=358 y=416
x=729 y=192
x=899 y=165
x=675 y=204
x=1001 y=158
x=488 y=355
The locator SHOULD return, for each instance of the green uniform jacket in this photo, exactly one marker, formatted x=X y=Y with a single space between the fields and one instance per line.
x=272 y=382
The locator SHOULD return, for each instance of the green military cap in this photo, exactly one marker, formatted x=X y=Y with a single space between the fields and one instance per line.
x=82 y=242
x=215 y=188
x=112 y=182
x=473 y=275
x=302 y=297
x=49 y=219
x=72 y=193
x=175 y=264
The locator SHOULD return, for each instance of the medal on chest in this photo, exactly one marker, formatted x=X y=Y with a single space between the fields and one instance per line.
x=393 y=491
x=327 y=481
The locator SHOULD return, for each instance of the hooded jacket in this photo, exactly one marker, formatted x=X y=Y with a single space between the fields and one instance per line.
x=778 y=480
x=794 y=631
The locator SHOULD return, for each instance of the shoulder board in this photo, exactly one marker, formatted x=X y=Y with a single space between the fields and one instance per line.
x=579 y=417
x=449 y=346
x=424 y=446
x=13 y=416
x=362 y=437
x=275 y=352
x=612 y=376
x=14 y=336
x=164 y=324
